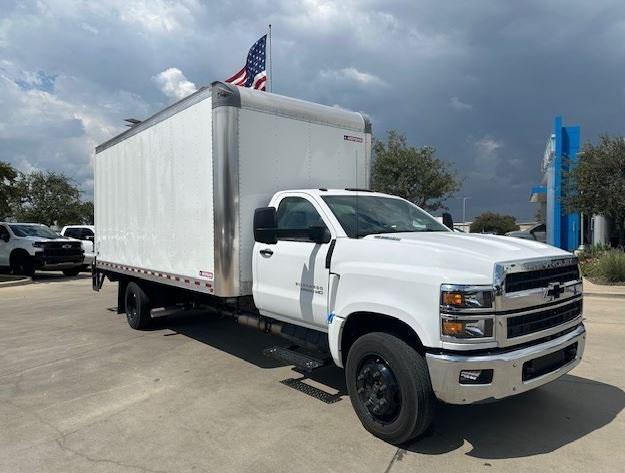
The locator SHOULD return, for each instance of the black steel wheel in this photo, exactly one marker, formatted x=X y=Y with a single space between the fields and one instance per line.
x=378 y=389
x=137 y=307
x=22 y=264
x=389 y=387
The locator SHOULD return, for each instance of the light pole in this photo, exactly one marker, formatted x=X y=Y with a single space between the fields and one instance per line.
x=464 y=213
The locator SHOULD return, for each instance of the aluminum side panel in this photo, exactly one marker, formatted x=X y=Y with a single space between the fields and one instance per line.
x=153 y=196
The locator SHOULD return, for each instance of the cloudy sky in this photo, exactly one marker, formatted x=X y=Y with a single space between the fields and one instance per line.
x=480 y=80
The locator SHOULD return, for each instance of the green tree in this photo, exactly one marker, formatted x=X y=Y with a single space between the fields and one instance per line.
x=8 y=175
x=489 y=222
x=412 y=173
x=49 y=197
x=596 y=184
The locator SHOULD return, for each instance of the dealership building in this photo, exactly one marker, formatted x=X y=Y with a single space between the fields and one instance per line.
x=566 y=230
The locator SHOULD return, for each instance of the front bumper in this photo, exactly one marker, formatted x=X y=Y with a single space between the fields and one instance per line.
x=507 y=370
x=51 y=263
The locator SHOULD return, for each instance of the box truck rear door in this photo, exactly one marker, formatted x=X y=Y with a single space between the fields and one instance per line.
x=290 y=277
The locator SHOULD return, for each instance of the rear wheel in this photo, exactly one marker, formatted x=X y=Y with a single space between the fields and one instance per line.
x=22 y=264
x=137 y=307
x=389 y=386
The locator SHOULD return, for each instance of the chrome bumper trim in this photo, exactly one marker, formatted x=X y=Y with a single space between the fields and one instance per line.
x=508 y=368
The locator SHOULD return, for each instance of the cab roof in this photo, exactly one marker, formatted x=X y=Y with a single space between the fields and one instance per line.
x=322 y=191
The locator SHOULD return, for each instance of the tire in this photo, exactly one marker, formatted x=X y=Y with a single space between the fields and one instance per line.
x=23 y=264
x=72 y=271
x=399 y=405
x=137 y=305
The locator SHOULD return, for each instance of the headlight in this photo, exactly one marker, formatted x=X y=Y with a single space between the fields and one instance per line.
x=39 y=244
x=466 y=312
x=466 y=297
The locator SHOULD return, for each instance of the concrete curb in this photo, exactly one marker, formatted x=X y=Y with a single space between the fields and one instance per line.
x=616 y=295
x=22 y=281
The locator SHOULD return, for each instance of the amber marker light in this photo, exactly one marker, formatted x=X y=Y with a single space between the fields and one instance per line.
x=452 y=328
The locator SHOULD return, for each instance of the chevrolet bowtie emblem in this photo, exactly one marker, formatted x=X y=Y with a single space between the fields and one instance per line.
x=553 y=291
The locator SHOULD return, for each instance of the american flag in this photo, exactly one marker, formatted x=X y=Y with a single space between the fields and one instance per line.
x=254 y=73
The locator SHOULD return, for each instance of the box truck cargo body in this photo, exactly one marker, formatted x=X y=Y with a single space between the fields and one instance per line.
x=175 y=195
x=255 y=205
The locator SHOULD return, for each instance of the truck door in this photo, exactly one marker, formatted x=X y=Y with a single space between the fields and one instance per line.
x=290 y=277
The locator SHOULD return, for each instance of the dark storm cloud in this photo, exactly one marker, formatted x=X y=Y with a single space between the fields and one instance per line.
x=480 y=81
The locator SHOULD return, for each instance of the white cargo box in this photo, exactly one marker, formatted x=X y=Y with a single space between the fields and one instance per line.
x=175 y=195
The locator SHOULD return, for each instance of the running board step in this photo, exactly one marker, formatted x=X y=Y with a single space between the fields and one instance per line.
x=299 y=360
x=311 y=391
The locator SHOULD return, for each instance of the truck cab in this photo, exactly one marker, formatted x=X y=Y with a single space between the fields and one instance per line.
x=26 y=247
x=412 y=310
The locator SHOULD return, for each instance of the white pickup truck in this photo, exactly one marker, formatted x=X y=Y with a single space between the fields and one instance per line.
x=190 y=208
x=26 y=247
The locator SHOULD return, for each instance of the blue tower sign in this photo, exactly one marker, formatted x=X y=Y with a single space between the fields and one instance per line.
x=561 y=153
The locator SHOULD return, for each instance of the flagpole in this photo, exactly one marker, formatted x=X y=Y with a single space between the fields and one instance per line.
x=270 y=69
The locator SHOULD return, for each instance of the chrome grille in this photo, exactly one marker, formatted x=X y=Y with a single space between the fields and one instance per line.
x=536 y=297
x=540 y=278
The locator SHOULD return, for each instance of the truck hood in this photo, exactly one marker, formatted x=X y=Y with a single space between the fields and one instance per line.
x=474 y=246
x=36 y=238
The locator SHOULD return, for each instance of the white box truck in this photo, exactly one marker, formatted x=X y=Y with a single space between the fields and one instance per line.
x=257 y=204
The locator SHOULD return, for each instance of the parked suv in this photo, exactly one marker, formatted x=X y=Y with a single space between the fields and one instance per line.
x=84 y=233
x=25 y=247
x=537 y=232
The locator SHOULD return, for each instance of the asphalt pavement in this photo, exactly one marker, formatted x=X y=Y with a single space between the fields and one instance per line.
x=82 y=392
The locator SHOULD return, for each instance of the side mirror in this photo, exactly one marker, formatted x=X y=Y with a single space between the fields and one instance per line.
x=448 y=221
x=320 y=234
x=5 y=237
x=265 y=225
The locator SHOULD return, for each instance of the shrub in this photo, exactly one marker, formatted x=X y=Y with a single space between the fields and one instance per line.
x=608 y=268
x=593 y=251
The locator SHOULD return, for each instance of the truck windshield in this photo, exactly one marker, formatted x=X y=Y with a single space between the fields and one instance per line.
x=366 y=215
x=33 y=230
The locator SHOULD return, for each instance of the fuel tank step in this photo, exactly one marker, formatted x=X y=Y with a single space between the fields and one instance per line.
x=299 y=360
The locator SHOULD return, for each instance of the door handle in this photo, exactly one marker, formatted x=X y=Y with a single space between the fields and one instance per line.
x=266 y=252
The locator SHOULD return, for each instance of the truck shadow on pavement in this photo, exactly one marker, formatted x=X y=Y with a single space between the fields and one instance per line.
x=533 y=423
x=223 y=333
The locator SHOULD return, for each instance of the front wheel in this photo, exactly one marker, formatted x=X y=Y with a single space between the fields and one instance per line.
x=23 y=264
x=389 y=387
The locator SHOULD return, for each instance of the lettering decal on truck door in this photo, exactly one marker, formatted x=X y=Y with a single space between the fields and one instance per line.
x=309 y=287
x=355 y=139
